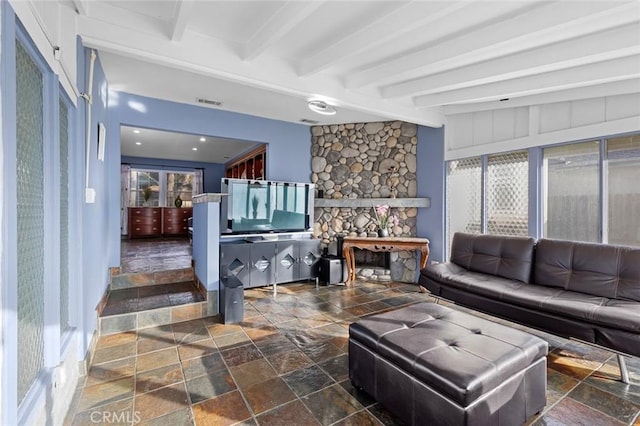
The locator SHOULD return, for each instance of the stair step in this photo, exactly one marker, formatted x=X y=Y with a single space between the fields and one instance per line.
x=136 y=308
x=143 y=279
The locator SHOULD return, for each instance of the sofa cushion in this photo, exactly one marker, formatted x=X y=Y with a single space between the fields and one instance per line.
x=597 y=269
x=507 y=257
x=617 y=314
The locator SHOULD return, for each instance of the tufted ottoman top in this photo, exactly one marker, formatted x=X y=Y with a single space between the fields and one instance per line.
x=458 y=354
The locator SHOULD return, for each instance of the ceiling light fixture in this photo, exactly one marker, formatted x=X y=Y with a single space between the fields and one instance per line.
x=138 y=143
x=136 y=131
x=321 y=107
x=194 y=149
x=203 y=139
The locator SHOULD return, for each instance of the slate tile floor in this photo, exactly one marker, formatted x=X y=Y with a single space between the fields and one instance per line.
x=286 y=364
x=154 y=254
x=138 y=299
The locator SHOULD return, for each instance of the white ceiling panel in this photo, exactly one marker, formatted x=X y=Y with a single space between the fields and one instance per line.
x=152 y=143
x=371 y=60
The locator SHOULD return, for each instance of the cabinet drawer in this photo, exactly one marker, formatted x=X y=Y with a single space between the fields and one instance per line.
x=175 y=229
x=145 y=220
x=145 y=230
x=144 y=212
x=176 y=213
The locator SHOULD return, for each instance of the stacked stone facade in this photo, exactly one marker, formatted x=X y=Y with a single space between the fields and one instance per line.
x=363 y=161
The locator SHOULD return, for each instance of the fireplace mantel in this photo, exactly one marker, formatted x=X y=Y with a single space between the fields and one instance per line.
x=372 y=202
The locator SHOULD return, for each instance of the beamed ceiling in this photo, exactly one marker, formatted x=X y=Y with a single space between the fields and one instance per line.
x=373 y=60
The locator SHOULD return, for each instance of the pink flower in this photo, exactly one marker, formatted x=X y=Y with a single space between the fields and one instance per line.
x=384 y=216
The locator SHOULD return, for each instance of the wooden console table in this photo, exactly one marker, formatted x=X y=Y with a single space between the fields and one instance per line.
x=381 y=244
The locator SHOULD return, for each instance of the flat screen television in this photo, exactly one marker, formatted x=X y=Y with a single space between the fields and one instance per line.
x=261 y=206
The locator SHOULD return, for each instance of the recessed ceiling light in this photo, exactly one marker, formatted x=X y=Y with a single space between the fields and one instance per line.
x=321 y=107
x=136 y=131
x=194 y=149
x=138 y=143
x=203 y=139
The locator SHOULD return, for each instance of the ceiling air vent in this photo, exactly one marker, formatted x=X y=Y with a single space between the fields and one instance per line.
x=209 y=102
x=306 y=120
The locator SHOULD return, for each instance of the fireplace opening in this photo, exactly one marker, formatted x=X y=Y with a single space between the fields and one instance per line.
x=372 y=259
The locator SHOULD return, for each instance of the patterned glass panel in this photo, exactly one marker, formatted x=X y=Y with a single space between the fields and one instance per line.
x=288 y=261
x=64 y=217
x=572 y=192
x=464 y=197
x=30 y=210
x=623 y=159
x=508 y=194
x=236 y=267
x=262 y=264
x=309 y=259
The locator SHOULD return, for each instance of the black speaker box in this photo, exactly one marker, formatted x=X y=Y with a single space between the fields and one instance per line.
x=231 y=300
x=332 y=269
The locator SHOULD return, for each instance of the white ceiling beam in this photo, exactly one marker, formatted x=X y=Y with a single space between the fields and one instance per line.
x=623 y=87
x=82 y=7
x=520 y=33
x=278 y=25
x=222 y=62
x=124 y=20
x=181 y=17
x=367 y=34
x=604 y=72
x=612 y=44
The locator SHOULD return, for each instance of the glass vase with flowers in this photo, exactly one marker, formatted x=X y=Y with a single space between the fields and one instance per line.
x=385 y=219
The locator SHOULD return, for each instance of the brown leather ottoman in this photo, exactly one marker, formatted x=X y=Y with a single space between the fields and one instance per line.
x=429 y=364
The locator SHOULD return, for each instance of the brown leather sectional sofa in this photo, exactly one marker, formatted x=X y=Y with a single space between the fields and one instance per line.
x=586 y=291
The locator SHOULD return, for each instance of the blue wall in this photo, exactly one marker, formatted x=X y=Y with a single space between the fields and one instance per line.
x=288 y=152
x=431 y=179
x=96 y=240
x=213 y=173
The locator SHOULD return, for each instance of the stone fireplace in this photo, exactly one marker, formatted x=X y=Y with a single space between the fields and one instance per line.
x=356 y=167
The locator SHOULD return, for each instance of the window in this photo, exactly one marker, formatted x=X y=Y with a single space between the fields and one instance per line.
x=590 y=198
x=145 y=188
x=30 y=218
x=623 y=163
x=179 y=185
x=159 y=188
x=571 y=183
x=507 y=195
x=504 y=181
x=464 y=200
x=64 y=216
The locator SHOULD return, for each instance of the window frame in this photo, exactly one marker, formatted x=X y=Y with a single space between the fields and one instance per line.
x=537 y=195
x=162 y=183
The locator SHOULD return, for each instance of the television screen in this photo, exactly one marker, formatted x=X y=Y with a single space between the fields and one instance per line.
x=265 y=206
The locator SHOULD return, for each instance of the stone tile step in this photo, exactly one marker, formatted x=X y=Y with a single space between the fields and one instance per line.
x=135 y=299
x=143 y=279
x=153 y=317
